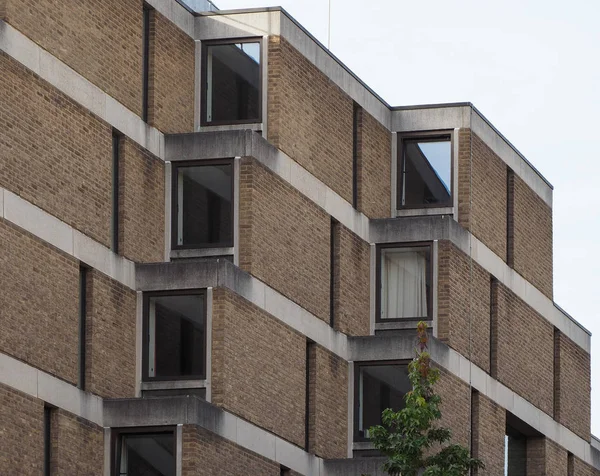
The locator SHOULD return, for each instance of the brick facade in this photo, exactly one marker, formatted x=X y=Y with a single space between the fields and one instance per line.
x=70 y=179
x=463 y=304
x=172 y=76
x=309 y=117
x=455 y=406
x=205 y=453
x=110 y=32
x=284 y=238
x=482 y=192
x=328 y=404
x=264 y=383
x=532 y=248
x=488 y=427
x=524 y=349
x=39 y=298
x=352 y=287
x=110 y=337
x=21 y=433
x=572 y=386
x=141 y=203
x=374 y=168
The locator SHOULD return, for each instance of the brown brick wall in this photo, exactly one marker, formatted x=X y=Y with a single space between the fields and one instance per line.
x=463 y=295
x=259 y=367
x=524 y=350
x=110 y=337
x=102 y=41
x=309 y=117
x=556 y=459
x=482 y=192
x=284 y=238
x=77 y=445
x=352 y=286
x=171 y=95
x=39 y=298
x=54 y=153
x=328 y=405
x=572 y=386
x=374 y=168
x=455 y=406
x=581 y=468
x=21 y=433
x=489 y=422
x=142 y=204
x=532 y=249
x=205 y=453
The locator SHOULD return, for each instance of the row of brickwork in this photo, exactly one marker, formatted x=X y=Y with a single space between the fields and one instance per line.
x=112 y=34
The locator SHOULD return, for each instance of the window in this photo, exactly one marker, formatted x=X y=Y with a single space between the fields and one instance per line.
x=515 y=453
x=203 y=204
x=404 y=282
x=377 y=386
x=231 y=82
x=175 y=335
x=425 y=172
x=144 y=452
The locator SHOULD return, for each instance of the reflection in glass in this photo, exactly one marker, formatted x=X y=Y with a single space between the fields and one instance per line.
x=147 y=455
x=404 y=282
x=380 y=387
x=176 y=336
x=233 y=82
x=204 y=206
x=426 y=173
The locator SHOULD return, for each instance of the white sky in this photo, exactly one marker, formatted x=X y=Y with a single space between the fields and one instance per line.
x=532 y=67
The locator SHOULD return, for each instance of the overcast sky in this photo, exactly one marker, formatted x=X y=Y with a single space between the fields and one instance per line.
x=532 y=67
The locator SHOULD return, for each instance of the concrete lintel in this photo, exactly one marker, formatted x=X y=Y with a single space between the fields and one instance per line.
x=431 y=118
x=354 y=467
x=178 y=275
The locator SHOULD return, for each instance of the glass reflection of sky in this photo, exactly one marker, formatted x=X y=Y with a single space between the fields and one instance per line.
x=251 y=49
x=438 y=155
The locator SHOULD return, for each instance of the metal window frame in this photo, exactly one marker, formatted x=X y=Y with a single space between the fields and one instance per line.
x=174 y=203
x=423 y=136
x=204 y=80
x=145 y=328
x=428 y=245
x=117 y=438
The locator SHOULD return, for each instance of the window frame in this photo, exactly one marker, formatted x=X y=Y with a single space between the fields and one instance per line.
x=118 y=433
x=428 y=245
x=146 y=344
x=204 y=80
x=175 y=165
x=426 y=136
x=357 y=365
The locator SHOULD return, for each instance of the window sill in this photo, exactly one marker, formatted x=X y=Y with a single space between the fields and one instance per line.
x=172 y=385
x=399 y=325
x=413 y=212
x=253 y=126
x=362 y=446
x=201 y=253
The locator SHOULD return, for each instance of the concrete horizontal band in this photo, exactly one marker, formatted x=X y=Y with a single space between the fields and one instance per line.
x=57 y=233
x=407 y=229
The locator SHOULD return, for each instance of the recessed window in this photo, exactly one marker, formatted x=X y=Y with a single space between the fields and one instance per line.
x=231 y=82
x=425 y=172
x=203 y=204
x=175 y=336
x=404 y=282
x=144 y=452
x=377 y=387
x=515 y=453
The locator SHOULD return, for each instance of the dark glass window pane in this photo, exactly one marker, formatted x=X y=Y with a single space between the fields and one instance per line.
x=147 y=455
x=176 y=336
x=515 y=453
x=426 y=173
x=404 y=282
x=204 y=201
x=233 y=82
x=380 y=387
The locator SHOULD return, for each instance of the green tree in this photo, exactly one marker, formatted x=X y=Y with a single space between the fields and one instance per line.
x=406 y=436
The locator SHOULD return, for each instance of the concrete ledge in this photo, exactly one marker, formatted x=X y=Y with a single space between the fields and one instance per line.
x=354 y=467
x=188 y=410
x=408 y=229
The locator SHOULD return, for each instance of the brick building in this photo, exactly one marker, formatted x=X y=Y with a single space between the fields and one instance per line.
x=216 y=242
